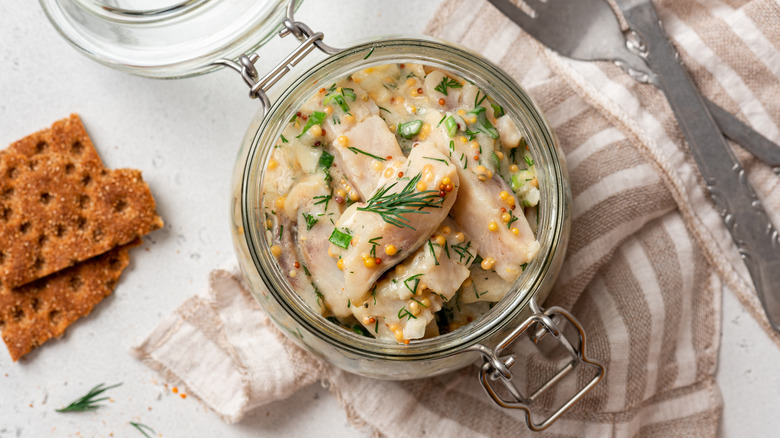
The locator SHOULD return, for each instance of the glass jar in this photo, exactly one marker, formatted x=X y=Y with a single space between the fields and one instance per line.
x=131 y=36
x=487 y=336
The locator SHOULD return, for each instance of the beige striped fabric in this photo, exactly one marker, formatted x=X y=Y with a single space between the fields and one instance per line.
x=647 y=258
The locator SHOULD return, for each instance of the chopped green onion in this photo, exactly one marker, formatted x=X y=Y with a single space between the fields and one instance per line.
x=326 y=159
x=409 y=129
x=498 y=110
x=340 y=239
x=451 y=125
x=316 y=118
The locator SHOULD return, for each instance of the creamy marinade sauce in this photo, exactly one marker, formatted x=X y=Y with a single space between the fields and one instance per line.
x=401 y=202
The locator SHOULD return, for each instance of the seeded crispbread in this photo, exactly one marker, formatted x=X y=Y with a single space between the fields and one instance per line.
x=41 y=310
x=56 y=211
x=66 y=137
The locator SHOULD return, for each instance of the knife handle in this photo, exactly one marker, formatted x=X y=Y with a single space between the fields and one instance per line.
x=750 y=227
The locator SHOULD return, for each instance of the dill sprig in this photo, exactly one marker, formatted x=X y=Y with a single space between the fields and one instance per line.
x=361 y=151
x=88 y=402
x=144 y=429
x=393 y=206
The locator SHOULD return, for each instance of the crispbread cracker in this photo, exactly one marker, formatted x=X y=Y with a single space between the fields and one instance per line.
x=56 y=211
x=41 y=310
x=66 y=137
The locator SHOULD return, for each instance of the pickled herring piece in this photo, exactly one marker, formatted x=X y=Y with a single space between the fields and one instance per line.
x=488 y=211
x=408 y=296
x=364 y=152
x=309 y=204
x=404 y=212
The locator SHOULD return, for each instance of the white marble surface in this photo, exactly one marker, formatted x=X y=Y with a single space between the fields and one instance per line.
x=184 y=135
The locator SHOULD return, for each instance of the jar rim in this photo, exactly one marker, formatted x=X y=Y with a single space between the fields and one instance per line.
x=493 y=81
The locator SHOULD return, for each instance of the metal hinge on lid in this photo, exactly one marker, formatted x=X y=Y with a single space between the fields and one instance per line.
x=245 y=65
x=497 y=364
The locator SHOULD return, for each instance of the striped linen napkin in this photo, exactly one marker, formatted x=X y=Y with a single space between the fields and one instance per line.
x=644 y=272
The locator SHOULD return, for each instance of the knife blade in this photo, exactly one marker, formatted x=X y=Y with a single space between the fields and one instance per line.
x=754 y=234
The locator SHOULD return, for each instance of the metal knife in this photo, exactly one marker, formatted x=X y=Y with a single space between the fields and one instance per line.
x=752 y=231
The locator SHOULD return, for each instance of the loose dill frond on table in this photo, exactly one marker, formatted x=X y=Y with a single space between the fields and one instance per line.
x=143 y=429
x=392 y=206
x=89 y=402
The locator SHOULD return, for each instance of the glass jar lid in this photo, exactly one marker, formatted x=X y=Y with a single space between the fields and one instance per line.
x=166 y=38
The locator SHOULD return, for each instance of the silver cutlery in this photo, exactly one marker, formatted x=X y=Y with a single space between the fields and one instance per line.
x=589 y=30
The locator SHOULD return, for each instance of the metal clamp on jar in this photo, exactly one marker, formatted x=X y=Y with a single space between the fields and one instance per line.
x=129 y=45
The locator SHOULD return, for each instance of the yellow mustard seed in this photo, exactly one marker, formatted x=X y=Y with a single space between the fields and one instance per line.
x=340 y=264
x=293 y=273
x=388 y=172
x=414 y=307
x=276 y=250
x=368 y=261
x=493 y=226
x=341 y=192
x=474 y=145
x=500 y=155
x=393 y=327
x=535 y=182
x=377 y=166
x=315 y=131
x=272 y=164
x=411 y=82
x=353 y=196
x=329 y=110
x=513 y=168
x=515 y=231
x=460 y=237
x=390 y=249
x=488 y=263
x=446 y=230
x=399 y=335
x=446 y=180
x=343 y=140
x=426 y=302
x=462 y=139
x=414 y=92
x=506 y=217
x=467 y=282
x=349 y=118
x=461 y=112
x=440 y=240
x=503 y=195
x=279 y=202
x=421 y=186
x=481 y=169
x=426 y=129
